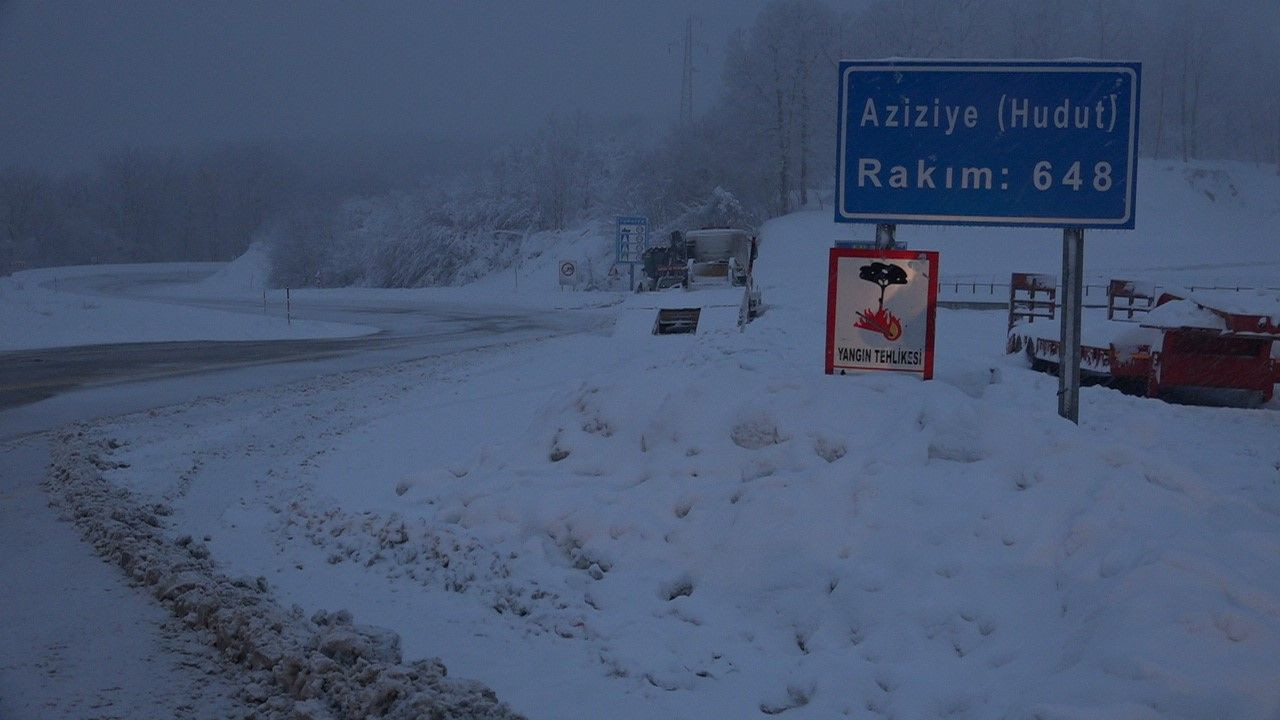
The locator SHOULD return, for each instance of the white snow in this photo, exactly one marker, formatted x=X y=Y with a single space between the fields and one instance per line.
x=1247 y=302
x=617 y=525
x=1184 y=313
x=289 y=666
x=1207 y=224
x=249 y=273
x=59 y=307
x=76 y=641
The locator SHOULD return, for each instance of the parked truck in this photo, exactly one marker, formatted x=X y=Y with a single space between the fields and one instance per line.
x=1201 y=347
x=710 y=257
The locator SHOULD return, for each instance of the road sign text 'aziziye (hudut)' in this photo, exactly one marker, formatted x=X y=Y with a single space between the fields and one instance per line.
x=1049 y=144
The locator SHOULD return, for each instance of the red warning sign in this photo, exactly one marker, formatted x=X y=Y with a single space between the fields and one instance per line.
x=881 y=308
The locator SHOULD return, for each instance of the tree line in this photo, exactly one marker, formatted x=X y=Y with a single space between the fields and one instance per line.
x=201 y=204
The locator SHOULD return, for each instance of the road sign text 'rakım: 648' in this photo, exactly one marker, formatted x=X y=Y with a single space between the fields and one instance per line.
x=989 y=142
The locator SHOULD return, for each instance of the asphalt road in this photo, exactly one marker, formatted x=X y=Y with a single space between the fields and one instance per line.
x=31 y=376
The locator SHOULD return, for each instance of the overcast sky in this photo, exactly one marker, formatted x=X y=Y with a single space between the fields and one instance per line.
x=78 y=79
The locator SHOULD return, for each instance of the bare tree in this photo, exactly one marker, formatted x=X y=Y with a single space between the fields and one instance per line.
x=773 y=77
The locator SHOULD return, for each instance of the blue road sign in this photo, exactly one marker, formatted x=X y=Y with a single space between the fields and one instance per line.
x=1048 y=144
x=632 y=239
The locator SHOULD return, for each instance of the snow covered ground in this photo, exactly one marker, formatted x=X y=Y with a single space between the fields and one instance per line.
x=59 y=307
x=617 y=525
x=80 y=643
x=1203 y=224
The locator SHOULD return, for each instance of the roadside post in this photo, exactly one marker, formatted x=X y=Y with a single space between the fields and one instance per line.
x=630 y=241
x=1012 y=143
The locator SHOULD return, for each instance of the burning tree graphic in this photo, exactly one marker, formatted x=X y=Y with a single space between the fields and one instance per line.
x=880 y=320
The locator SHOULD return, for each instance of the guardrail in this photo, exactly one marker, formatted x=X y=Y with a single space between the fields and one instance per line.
x=999 y=291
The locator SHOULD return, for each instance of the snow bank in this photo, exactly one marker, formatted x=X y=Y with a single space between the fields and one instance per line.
x=247 y=273
x=712 y=528
x=753 y=540
x=297 y=668
x=1200 y=224
x=731 y=533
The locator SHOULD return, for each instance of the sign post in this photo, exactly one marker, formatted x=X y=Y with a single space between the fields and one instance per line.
x=886 y=235
x=1069 y=341
x=632 y=239
x=1048 y=144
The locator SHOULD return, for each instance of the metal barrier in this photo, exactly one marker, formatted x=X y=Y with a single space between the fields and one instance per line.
x=1000 y=290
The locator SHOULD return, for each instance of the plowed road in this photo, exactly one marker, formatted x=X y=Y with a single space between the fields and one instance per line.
x=41 y=389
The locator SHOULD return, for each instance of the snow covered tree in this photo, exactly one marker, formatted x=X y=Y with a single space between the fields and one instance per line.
x=774 y=76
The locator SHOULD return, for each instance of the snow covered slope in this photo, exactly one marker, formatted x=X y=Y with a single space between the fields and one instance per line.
x=248 y=274
x=1211 y=223
x=707 y=526
x=1207 y=223
x=60 y=307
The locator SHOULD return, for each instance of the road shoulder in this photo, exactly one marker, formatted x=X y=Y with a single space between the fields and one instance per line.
x=77 y=640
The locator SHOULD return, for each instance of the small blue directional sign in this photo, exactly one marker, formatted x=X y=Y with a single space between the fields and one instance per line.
x=1047 y=144
x=632 y=239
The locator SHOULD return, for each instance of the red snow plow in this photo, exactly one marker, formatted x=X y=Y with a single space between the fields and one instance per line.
x=1203 y=347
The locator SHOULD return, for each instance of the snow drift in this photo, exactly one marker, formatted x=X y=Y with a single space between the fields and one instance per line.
x=298 y=668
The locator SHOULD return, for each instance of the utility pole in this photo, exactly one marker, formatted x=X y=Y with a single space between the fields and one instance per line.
x=686 y=73
x=686 y=76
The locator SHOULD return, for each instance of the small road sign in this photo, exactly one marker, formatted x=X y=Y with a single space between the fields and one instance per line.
x=632 y=239
x=1048 y=144
x=568 y=272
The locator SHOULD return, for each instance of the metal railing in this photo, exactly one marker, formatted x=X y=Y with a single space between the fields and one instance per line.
x=1000 y=290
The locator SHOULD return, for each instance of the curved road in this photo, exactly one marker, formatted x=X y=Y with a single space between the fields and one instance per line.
x=77 y=640
x=41 y=389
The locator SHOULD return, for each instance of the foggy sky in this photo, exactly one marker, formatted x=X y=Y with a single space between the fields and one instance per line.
x=80 y=79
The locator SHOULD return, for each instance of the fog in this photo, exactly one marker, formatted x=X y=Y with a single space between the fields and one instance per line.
x=383 y=143
x=79 y=79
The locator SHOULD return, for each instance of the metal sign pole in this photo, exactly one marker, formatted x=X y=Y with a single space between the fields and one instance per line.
x=1069 y=342
x=885 y=236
